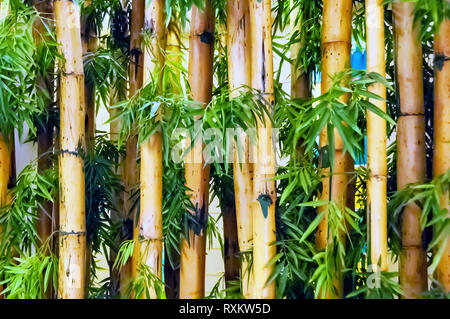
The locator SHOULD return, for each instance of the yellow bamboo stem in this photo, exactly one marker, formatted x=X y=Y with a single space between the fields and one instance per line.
x=411 y=145
x=264 y=247
x=193 y=249
x=89 y=43
x=336 y=47
x=441 y=158
x=239 y=73
x=376 y=139
x=72 y=240
x=173 y=50
x=148 y=234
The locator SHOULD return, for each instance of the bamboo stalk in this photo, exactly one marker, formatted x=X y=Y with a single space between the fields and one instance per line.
x=72 y=240
x=118 y=214
x=173 y=49
x=119 y=195
x=411 y=145
x=130 y=169
x=5 y=173
x=193 y=249
x=89 y=43
x=227 y=201
x=336 y=47
x=441 y=157
x=5 y=170
x=263 y=207
x=44 y=224
x=239 y=74
x=148 y=234
x=376 y=140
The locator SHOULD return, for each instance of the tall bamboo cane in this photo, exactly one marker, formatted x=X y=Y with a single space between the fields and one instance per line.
x=263 y=207
x=45 y=134
x=441 y=158
x=411 y=145
x=148 y=233
x=227 y=204
x=130 y=168
x=89 y=43
x=119 y=195
x=193 y=249
x=118 y=215
x=72 y=239
x=336 y=47
x=239 y=74
x=173 y=49
x=376 y=139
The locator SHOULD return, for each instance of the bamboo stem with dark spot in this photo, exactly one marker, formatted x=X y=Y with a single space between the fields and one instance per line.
x=72 y=238
x=239 y=74
x=264 y=193
x=148 y=233
x=200 y=73
x=441 y=157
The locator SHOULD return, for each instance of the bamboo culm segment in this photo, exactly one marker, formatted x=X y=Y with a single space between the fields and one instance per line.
x=376 y=139
x=148 y=234
x=5 y=173
x=130 y=167
x=5 y=170
x=45 y=225
x=239 y=74
x=45 y=135
x=263 y=204
x=411 y=145
x=200 y=73
x=173 y=49
x=72 y=236
x=441 y=158
x=336 y=48
x=119 y=197
x=89 y=43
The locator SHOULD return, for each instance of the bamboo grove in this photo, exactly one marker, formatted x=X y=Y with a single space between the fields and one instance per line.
x=332 y=180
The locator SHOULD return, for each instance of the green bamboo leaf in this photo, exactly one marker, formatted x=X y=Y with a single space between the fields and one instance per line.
x=312 y=226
